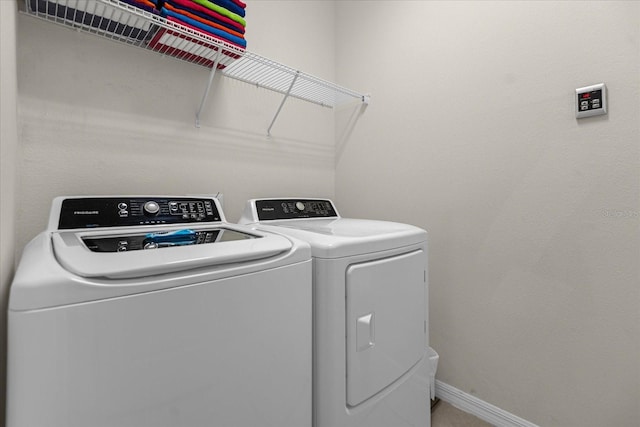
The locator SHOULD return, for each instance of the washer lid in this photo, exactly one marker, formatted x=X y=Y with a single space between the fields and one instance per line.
x=336 y=238
x=118 y=254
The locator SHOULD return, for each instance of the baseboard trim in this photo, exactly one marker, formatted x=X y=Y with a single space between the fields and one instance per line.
x=479 y=408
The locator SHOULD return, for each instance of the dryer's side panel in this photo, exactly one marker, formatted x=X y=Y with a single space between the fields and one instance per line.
x=386 y=326
x=229 y=352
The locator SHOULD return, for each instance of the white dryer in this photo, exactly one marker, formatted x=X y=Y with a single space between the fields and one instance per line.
x=370 y=312
x=153 y=311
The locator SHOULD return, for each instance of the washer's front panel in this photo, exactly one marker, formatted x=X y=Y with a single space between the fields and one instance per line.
x=385 y=313
x=231 y=352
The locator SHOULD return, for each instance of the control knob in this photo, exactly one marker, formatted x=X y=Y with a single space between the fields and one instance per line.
x=151 y=207
x=300 y=206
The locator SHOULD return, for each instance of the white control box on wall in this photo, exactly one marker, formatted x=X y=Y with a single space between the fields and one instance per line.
x=591 y=101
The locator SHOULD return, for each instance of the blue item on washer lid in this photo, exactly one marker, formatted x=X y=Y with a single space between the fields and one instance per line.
x=172 y=236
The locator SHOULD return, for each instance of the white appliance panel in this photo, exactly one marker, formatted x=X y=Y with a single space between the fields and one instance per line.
x=408 y=395
x=384 y=340
x=184 y=356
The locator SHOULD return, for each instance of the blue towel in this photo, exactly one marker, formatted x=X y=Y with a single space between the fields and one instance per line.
x=213 y=31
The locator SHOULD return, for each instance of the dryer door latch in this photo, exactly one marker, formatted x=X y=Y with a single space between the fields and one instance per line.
x=365 y=332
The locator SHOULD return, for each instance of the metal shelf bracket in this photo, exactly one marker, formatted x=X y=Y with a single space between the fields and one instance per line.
x=293 y=82
x=206 y=91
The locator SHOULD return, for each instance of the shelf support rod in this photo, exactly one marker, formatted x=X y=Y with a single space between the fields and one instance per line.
x=206 y=91
x=283 y=101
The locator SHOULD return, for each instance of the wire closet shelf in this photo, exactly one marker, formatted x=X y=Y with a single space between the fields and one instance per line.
x=124 y=23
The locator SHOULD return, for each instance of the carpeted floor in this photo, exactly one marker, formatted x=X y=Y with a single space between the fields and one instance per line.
x=445 y=415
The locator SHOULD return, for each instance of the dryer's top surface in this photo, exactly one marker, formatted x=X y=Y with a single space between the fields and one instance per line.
x=349 y=228
x=317 y=222
x=340 y=237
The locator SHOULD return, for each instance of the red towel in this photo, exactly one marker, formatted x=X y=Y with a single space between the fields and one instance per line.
x=144 y=4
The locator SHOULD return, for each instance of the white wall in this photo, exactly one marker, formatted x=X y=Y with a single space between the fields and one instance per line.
x=533 y=215
x=100 y=117
x=8 y=144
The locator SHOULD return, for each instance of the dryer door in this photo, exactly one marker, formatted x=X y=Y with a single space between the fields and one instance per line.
x=386 y=310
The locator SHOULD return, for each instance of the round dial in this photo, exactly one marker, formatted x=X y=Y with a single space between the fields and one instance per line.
x=151 y=207
x=300 y=206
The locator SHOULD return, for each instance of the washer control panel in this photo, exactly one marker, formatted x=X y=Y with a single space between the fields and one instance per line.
x=273 y=209
x=94 y=212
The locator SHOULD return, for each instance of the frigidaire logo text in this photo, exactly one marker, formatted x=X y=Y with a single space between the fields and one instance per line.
x=86 y=212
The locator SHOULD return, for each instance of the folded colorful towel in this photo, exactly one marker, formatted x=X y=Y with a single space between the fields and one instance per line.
x=231 y=6
x=237 y=29
x=202 y=20
x=223 y=35
x=221 y=19
x=222 y=11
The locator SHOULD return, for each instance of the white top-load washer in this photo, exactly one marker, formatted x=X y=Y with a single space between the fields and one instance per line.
x=155 y=312
x=370 y=312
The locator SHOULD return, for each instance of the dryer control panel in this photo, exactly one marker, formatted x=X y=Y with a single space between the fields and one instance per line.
x=92 y=212
x=273 y=209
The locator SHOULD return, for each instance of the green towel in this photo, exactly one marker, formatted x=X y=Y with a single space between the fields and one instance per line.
x=222 y=11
